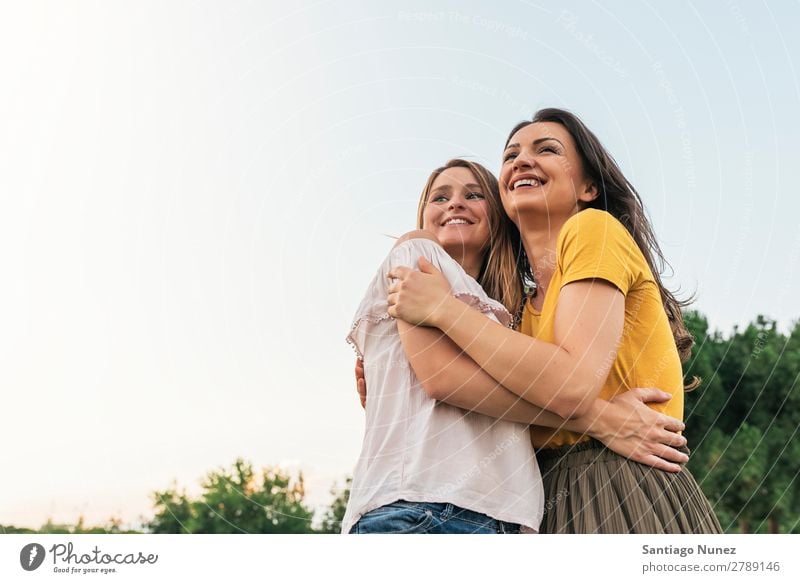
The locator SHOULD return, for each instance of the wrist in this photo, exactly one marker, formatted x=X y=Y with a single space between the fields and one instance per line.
x=447 y=313
x=593 y=422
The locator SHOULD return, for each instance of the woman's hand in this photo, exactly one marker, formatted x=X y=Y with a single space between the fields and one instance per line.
x=627 y=426
x=418 y=297
x=361 y=383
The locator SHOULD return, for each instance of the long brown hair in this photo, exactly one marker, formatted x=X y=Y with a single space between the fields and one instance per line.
x=498 y=274
x=617 y=196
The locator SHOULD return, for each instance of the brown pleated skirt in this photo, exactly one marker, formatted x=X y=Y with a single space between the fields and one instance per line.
x=590 y=489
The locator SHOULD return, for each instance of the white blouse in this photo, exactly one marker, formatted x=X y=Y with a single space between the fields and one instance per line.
x=421 y=450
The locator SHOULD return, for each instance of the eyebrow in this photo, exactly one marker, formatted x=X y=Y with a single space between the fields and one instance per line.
x=448 y=187
x=535 y=142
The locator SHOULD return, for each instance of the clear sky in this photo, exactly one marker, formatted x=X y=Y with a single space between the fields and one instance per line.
x=193 y=197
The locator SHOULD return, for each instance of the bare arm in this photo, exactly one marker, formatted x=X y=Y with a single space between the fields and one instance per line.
x=626 y=424
x=448 y=374
x=564 y=377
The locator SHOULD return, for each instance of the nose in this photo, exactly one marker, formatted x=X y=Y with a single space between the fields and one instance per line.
x=456 y=202
x=523 y=161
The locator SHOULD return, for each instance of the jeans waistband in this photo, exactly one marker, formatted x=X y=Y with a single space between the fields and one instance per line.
x=445 y=510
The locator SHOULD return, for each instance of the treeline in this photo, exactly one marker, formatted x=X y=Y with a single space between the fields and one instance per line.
x=113 y=526
x=235 y=500
x=240 y=500
x=741 y=423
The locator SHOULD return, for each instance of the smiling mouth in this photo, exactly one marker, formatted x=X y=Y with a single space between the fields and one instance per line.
x=522 y=182
x=456 y=222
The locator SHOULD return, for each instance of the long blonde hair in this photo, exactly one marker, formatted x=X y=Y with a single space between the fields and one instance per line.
x=498 y=273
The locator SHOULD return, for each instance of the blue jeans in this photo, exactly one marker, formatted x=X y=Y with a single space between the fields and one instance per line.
x=403 y=517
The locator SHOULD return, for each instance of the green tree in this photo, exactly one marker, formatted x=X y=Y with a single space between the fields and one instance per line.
x=174 y=512
x=236 y=500
x=742 y=423
x=333 y=516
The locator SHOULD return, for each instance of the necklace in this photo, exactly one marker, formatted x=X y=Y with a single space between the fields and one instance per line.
x=528 y=292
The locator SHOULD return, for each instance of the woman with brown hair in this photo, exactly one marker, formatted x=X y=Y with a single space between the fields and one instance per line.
x=598 y=322
x=430 y=462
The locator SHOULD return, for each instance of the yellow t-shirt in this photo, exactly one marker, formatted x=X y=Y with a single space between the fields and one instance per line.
x=594 y=245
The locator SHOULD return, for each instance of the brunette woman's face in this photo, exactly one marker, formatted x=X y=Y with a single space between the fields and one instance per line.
x=457 y=212
x=542 y=174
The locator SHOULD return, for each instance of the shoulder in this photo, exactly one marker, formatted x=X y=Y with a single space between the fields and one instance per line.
x=594 y=244
x=416 y=234
x=594 y=224
x=594 y=219
x=415 y=244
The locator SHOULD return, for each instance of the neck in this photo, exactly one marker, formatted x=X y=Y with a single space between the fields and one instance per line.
x=539 y=238
x=469 y=260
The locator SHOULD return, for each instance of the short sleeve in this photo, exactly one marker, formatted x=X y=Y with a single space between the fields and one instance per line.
x=594 y=245
x=372 y=313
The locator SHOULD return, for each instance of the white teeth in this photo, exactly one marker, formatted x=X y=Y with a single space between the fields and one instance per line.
x=456 y=222
x=527 y=182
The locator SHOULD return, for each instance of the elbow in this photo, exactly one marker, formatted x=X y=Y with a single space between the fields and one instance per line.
x=431 y=389
x=437 y=386
x=432 y=386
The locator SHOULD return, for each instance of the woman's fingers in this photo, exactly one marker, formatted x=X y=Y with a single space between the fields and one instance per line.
x=426 y=266
x=361 y=382
x=361 y=386
x=659 y=463
x=670 y=454
x=400 y=272
x=670 y=437
x=672 y=424
x=650 y=395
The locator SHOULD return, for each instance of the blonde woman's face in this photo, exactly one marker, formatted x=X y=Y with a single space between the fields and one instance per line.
x=457 y=212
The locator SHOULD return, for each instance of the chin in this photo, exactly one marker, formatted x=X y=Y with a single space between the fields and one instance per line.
x=515 y=210
x=531 y=207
